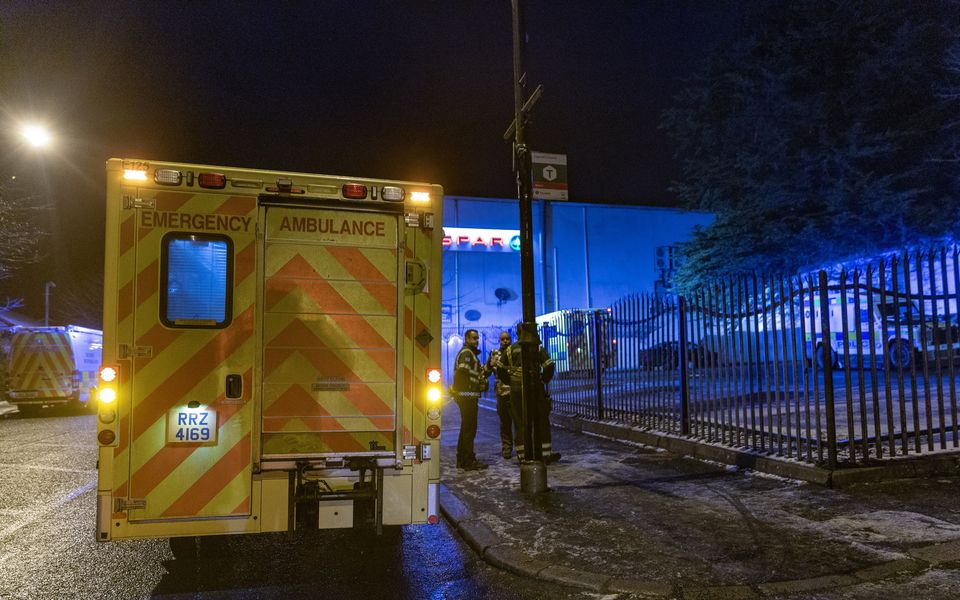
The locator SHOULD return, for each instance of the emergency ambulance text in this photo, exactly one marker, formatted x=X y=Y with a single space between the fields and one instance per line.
x=321 y=225
x=178 y=220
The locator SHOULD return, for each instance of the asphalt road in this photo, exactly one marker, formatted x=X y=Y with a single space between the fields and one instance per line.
x=47 y=550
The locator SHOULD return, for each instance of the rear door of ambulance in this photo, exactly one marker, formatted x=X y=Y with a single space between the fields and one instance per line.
x=330 y=332
x=185 y=314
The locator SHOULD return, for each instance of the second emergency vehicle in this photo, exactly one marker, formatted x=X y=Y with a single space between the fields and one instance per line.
x=576 y=339
x=53 y=365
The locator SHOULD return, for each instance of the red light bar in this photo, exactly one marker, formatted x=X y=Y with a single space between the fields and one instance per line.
x=354 y=191
x=213 y=181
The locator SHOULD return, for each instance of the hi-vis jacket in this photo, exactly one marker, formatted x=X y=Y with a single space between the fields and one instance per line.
x=468 y=374
x=511 y=371
x=501 y=388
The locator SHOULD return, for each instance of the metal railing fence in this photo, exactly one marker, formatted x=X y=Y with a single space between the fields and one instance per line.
x=830 y=370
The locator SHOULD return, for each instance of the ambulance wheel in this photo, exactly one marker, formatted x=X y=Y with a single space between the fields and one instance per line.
x=834 y=363
x=88 y=407
x=900 y=353
x=391 y=534
x=184 y=548
x=29 y=410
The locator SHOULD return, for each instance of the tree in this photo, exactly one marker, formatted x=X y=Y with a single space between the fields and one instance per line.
x=829 y=131
x=21 y=213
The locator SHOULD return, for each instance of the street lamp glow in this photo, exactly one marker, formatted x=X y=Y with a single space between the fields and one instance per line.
x=36 y=135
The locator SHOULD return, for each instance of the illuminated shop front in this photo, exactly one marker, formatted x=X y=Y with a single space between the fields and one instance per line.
x=585 y=255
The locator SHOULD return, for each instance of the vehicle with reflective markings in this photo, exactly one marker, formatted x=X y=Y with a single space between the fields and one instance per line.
x=271 y=352
x=53 y=365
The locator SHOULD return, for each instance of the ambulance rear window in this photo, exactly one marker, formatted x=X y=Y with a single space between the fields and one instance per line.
x=197 y=273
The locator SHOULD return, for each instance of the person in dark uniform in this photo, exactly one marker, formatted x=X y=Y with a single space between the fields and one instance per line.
x=468 y=383
x=511 y=373
x=502 y=391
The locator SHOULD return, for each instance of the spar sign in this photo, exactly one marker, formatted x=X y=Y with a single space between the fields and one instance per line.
x=466 y=239
x=549 y=176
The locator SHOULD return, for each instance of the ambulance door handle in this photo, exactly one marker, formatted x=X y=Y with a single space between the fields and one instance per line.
x=234 y=386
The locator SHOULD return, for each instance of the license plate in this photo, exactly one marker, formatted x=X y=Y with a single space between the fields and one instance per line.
x=24 y=394
x=192 y=426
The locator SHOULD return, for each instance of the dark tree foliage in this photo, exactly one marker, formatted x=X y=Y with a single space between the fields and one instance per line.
x=21 y=215
x=829 y=131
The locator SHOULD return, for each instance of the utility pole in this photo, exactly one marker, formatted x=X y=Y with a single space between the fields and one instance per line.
x=533 y=470
x=46 y=302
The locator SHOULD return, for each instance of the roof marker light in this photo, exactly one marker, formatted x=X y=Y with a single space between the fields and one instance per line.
x=420 y=196
x=392 y=193
x=354 y=191
x=167 y=176
x=213 y=181
x=135 y=174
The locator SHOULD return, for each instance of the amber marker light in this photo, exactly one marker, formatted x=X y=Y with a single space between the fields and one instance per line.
x=421 y=197
x=434 y=394
x=107 y=395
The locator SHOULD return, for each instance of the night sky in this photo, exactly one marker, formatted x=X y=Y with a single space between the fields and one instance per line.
x=405 y=90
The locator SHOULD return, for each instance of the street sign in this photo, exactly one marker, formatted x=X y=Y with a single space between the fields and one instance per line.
x=549 y=176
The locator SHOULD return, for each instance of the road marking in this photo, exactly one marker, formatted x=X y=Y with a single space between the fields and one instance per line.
x=78 y=491
x=43 y=468
x=49 y=444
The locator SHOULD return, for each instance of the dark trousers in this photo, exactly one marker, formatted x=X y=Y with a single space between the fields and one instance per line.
x=468 y=428
x=516 y=409
x=506 y=424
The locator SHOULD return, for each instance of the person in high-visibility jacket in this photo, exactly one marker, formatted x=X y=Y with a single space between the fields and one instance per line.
x=511 y=373
x=468 y=383
x=502 y=389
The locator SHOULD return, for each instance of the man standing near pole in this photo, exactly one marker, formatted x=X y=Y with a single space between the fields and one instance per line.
x=511 y=372
x=502 y=390
x=468 y=380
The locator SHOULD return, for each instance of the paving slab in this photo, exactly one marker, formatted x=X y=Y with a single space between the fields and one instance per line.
x=622 y=517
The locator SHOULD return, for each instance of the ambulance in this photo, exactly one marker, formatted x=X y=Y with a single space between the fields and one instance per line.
x=572 y=337
x=53 y=365
x=270 y=352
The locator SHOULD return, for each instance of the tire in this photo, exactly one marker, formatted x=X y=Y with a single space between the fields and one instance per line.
x=834 y=362
x=900 y=354
x=184 y=548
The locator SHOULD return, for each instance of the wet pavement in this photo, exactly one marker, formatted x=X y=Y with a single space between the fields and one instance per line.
x=47 y=547
x=625 y=518
x=620 y=522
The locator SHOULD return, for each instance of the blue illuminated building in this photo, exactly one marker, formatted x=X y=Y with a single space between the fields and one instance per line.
x=585 y=255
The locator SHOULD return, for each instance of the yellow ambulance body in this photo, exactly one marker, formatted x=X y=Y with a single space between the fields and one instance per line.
x=270 y=352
